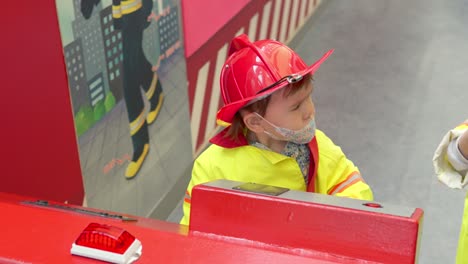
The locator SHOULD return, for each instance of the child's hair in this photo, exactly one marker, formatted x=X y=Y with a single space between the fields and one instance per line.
x=260 y=106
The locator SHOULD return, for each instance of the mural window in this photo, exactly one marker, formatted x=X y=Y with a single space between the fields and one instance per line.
x=120 y=46
x=117 y=73
x=110 y=65
x=107 y=42
x=112 y=76
x=113 y=39
x=116 y=60
x=106 y=31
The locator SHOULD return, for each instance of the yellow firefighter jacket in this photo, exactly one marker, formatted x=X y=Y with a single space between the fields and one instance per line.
x=225 y=159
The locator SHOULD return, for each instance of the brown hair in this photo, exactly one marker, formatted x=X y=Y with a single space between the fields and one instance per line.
x=260 y=106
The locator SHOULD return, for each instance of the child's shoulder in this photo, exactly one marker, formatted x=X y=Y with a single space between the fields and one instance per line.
x=211 y=150
x=214 y=151
x=327 y=149
x=322 y=138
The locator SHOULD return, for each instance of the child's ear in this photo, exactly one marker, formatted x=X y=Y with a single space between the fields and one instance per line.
x=253 y=122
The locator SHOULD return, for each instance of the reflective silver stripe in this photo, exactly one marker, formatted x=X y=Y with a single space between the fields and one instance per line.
x=130 y=6
x=116 y=12
x=345 y=184
x=187 y=196
x=125 y=7
x=150 y=92
x=136 y=124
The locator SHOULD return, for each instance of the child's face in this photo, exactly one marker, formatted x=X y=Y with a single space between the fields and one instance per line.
x=292 y=112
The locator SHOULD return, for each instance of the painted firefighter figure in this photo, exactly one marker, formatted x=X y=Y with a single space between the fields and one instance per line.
x=132 y=18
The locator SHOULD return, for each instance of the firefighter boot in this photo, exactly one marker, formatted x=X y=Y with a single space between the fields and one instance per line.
x=135 y=166
x=155 y=97
x=140 y=141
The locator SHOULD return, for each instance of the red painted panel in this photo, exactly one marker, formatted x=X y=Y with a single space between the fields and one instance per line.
x=203 y=18
x=33 y=234
x=209 y=52
x=343 y=231
x=39 y=150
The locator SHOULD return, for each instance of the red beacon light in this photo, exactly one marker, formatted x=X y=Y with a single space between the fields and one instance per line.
x=107 y=243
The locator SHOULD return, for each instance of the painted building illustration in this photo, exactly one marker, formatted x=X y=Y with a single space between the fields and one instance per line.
x=76 y=70
x=94 y=51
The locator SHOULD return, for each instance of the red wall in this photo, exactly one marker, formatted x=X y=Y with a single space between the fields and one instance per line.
x=276 y=18
x=203 y=18
x=39 y=153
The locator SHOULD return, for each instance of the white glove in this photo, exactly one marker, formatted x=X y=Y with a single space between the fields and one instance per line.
x=446 y=173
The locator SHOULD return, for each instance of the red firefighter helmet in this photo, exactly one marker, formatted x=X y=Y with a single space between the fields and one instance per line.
x=253 y=71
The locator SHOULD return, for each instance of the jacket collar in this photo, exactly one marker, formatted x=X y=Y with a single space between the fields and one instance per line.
x=221 y=140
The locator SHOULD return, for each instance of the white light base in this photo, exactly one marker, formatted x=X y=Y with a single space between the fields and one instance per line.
x=131 y=254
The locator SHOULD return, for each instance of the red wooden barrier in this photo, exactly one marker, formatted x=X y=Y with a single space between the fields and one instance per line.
x=298 y=220
x=38 y=234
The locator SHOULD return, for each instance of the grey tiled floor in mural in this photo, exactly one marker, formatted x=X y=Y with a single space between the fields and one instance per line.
x=141 y=195
x=398 y=80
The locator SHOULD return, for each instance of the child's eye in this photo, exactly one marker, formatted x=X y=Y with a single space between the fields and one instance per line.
x=296 y=107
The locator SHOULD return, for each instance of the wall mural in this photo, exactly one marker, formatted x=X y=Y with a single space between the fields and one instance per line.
x=128 y=88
